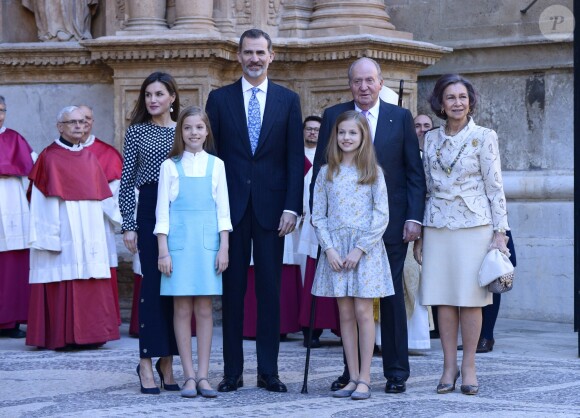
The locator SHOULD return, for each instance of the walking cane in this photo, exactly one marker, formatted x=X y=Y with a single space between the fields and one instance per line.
x=308 y=344
x=401 y=93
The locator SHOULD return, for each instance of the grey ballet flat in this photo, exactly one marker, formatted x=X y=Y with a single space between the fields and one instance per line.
x=345 y=393
x=206 y=393
x=189 y=393
x=359 y=396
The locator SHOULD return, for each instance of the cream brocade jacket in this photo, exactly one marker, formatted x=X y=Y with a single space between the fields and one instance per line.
x=472 y=194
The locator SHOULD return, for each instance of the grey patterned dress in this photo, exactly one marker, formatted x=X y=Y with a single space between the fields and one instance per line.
x=346 y=215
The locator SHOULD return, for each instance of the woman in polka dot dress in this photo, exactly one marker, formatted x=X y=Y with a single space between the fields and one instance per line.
x=148 y=140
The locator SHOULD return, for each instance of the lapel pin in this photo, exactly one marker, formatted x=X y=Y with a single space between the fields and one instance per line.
x=474 y=142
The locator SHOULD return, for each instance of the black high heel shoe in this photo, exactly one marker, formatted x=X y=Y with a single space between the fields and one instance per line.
x=146 y=391
x=443 y=388
x=172 y=388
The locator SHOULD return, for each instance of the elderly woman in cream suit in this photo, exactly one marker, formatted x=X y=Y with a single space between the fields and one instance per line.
x=465 y=217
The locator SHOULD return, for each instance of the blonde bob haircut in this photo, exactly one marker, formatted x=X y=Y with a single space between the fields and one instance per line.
x=178 y=145
x=365 y=159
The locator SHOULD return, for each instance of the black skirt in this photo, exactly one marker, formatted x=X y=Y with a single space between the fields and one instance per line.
x=156 y=335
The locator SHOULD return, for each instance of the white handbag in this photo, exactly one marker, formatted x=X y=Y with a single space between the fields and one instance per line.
x=496 y=272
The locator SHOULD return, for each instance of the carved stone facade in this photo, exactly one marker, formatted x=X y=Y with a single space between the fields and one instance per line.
x=525 y=81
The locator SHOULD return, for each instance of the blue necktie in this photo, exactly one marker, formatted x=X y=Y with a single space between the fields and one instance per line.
x=254 y=120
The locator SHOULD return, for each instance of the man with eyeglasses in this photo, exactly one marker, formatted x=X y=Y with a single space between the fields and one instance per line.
x=71 y=301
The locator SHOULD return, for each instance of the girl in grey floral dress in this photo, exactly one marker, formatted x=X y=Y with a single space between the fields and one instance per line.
x=350 y=215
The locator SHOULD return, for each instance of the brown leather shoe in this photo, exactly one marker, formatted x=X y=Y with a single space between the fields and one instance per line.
x=485 y=345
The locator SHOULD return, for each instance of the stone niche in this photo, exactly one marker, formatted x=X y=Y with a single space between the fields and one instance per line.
x=196 y=41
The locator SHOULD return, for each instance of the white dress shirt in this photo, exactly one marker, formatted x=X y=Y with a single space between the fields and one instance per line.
x=372 y=117
x=260 y=95
x=194 y=165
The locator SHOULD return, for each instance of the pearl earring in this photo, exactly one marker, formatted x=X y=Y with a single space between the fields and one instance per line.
x=171 y=109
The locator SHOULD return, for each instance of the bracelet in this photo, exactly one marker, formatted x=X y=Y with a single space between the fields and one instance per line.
x=501 y=230
x=165 y=256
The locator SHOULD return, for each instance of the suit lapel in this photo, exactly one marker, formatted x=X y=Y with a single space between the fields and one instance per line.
x=238 y=112
x=384 y=126
x=272 y=106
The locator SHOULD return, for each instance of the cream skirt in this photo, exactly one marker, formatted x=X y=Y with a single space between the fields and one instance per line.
x=451 y=262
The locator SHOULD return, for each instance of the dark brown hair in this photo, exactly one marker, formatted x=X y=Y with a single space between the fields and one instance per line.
x=436 y=99
x=255 y=34
x=140 y=113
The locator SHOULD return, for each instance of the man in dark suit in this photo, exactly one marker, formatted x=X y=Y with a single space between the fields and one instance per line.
x=398 y=154
x=257 y=126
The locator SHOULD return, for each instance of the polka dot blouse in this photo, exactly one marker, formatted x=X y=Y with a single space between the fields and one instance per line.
x=146 y=147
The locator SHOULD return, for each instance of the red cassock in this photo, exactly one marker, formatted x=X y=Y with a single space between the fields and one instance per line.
x=326 y=316
x=290 y=290
x=73 y=310
x=112 y=164
x=15 y=161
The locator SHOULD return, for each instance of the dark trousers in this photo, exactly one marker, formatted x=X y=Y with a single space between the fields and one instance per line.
x=268 y=248
x=394 y=340
x=156 y=336
x=489 y=316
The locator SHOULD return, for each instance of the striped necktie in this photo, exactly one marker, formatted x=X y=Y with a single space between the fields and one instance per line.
x=254 y=120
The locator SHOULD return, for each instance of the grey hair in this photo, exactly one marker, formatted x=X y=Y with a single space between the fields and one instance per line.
x=378 y=67
x=65 y=111
x=2 y=100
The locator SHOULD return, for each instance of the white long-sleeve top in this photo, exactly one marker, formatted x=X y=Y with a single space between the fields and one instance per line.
x=194 y=165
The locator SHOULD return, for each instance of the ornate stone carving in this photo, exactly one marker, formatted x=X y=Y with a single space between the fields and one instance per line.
x=121 y=13
x=62 y=20
x=242 y=11
x=273 y=12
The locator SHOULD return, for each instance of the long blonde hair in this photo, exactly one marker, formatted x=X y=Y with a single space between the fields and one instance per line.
x=365 y=159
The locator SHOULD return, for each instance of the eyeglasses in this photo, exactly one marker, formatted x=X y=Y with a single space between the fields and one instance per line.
x=312 y=129
x=74 y=122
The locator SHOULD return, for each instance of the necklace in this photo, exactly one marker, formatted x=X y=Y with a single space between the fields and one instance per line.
x=450 y=168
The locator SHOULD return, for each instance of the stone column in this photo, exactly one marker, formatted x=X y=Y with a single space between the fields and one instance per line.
x=146 y=15
x=336 y=17
x=295 y=18
x=223 y=17
x=194 y=16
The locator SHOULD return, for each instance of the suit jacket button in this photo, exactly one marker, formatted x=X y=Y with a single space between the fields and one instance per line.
x=249 y=181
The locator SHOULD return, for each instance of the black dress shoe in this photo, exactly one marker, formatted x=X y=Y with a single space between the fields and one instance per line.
x=271 y=383
x=395 y=385
x=13 y=333
x=484 y=345
x=17 y=333
x=230 y=383
x=340 y=383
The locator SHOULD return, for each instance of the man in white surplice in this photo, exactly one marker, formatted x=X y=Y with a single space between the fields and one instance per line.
x=71 y=298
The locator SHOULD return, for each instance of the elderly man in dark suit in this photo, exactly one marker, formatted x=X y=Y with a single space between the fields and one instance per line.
x=397 y=152
x=257 y=126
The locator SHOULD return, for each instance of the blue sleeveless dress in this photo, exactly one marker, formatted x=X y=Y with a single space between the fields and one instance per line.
x=193 y=238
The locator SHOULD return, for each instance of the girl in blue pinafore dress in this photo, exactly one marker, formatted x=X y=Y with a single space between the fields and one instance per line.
x=350 y=215
x=193 y=225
